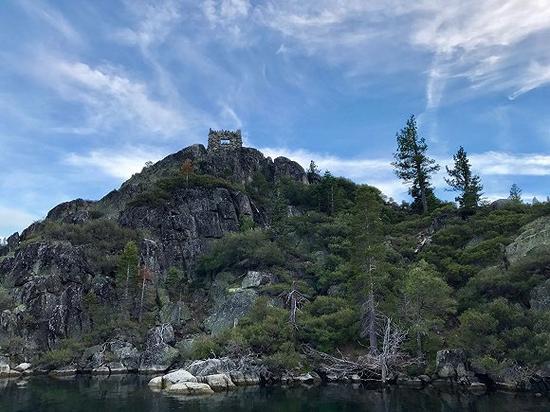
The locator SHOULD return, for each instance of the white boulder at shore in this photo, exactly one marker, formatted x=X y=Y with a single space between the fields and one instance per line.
x=182 y=381
x=22 y=367
x=219 y=382
x=181 y=375
x=190 y=388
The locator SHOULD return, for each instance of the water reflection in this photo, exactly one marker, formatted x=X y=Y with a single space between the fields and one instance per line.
x=130 y=393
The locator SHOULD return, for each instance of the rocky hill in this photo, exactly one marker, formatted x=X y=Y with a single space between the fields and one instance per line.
x=225 y=252
x=52 y=266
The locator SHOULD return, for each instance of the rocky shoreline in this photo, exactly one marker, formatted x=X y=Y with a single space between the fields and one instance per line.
x=203 y=377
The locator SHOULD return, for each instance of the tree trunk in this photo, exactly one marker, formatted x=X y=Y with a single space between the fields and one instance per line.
x=424 y=199
x=419 y=345
x=126 y=292
x=141 y=300
x=371 y=316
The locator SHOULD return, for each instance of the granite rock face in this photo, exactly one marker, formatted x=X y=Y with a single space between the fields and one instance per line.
x=158 y=354
x=51 y=280
x=182 y=228
x=234 y=306
x=115 y=356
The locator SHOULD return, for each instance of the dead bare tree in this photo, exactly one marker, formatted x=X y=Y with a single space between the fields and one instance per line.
x=368 y=321
x=391 y=356
x=294 y=299
x=381 y=366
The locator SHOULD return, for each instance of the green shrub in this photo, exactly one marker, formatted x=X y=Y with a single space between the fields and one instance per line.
x=67 y=352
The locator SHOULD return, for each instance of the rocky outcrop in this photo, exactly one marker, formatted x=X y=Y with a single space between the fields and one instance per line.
x=451 y=363
x=113 y=357
x=247 y=378
x=158 y=355
x=287 y=168
x=50 y=280
x=219 y=382
x=304 y=378
x=234 y=306
x=254 y=279
x=183 y=382
x=182 y=227
x=534 y=236
x=75 y=211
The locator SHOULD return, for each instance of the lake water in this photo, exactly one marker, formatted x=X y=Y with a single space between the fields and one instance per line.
x=130 y=393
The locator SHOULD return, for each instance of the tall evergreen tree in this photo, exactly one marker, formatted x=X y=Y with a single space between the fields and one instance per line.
x=127 y=273
x=368 y=257
x=412 y=164
x=515 y=193
x=463 y=181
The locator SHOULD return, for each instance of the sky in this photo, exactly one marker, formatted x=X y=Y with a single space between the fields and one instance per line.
x=91 y=90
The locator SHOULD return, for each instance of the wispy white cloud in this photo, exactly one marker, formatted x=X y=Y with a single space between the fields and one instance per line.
x=378 y=172
x=52 y=17
x=490 y=45
x=537 y=75
x=155 y=22
x=13 y=219
x=110 y=96
x=508 y=164
x=119 y=164
x=229 y=19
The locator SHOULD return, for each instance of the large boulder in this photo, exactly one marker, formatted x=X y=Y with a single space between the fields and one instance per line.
x=254 y=279
x=451 y=363
x=190 y=388
x=218 y=382
x=158 y=355
x=246 y=378
x=179 y=376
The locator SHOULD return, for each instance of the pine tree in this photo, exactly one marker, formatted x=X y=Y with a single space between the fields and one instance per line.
x=515 y=194
x=427 y=301
x=412 y=164
x=368 y=257
x=313 y=173
x=127 y=272
x=463 y=181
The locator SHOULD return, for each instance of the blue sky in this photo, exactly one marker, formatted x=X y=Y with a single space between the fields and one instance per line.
x=90 y=91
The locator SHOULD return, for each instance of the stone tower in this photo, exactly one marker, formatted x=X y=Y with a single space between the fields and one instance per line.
x=224 y=140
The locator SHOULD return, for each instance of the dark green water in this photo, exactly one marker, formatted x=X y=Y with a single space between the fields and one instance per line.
x=131 y=394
